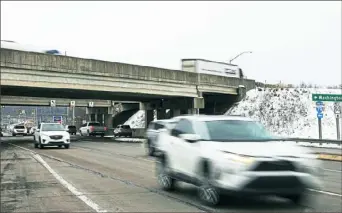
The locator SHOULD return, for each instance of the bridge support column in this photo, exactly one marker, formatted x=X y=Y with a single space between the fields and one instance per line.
x=108 y=120
x=148 y=113
x=148 y=117
x=161 y=114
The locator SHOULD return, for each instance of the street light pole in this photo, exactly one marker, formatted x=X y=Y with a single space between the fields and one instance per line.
x=239 y=56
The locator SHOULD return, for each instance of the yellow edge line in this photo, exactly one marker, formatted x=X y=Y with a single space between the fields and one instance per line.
x=330 y=157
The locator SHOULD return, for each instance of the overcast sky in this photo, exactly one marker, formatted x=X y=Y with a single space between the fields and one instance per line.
x=291 y=41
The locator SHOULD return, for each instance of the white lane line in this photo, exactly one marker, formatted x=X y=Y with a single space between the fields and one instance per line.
x=325 y=192
x=332 y=170
x=313 y=190
x=69 y=186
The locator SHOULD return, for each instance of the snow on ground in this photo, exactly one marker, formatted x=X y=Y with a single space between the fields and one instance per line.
x=137 y=120
x=288 y=112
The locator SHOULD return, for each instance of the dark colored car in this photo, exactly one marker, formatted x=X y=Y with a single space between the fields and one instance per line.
x=71 y=129
x=123 y=130
x=1 y=132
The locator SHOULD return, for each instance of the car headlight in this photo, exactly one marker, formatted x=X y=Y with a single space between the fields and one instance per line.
x=246 y=160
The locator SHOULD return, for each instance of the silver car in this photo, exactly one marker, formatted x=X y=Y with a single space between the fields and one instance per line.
x=153 y=131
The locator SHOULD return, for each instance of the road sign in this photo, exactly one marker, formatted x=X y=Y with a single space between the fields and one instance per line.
x=319 y=115
x=319 y=109
x=337 y=108
x=327 y=97
x=52 y=103
x=57 y=119
x=72 y=103
x=319 y=103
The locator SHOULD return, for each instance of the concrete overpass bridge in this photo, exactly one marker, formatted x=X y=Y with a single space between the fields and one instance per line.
x=50 y=76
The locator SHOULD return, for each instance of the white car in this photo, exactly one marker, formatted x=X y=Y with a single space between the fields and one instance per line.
x=233 y=155
x=51 y=134
x=153 y=131
x=19 y=130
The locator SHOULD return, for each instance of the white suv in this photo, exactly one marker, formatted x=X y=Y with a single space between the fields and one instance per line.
x=51 y=134
x=230 y=155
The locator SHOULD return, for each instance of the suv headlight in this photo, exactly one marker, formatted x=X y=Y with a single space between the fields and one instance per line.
x=246 y=160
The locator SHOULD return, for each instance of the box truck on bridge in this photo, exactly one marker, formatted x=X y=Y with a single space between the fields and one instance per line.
x=211 y=67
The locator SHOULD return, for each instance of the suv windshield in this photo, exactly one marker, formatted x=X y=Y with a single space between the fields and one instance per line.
x=237 y=130
x=52 y=127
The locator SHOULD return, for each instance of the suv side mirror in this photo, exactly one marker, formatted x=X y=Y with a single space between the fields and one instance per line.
x=191 y=138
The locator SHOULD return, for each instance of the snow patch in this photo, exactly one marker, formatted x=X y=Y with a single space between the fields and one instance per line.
x=288 y=112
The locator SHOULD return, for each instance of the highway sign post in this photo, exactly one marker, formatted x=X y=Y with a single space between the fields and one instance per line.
x=320 y=99
x=72 y=105
x=337 y=111
x=319 y=116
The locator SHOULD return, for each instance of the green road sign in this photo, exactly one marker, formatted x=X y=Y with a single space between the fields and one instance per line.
x=327 y=97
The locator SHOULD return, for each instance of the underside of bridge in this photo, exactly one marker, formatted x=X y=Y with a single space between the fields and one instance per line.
x=214 y=103
x=217 y=104
x=77 y=94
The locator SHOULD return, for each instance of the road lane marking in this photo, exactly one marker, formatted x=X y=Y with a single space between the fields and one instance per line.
x=325 y=192
x=69 y=186
x=313 y=190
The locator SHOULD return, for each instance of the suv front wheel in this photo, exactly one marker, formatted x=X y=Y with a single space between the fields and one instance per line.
x=166 y=182
x=207 y=193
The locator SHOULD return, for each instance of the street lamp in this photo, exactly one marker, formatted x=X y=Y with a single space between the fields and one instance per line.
x=239 y=56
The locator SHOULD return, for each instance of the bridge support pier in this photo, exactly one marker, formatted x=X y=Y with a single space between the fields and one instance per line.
x=148 y=113
x=108 y=120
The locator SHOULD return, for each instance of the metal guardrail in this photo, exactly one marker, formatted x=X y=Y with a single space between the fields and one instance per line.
x=311 y=140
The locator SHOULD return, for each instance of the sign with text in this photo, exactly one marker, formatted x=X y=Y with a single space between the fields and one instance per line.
x=57 y=119
x=327 y=97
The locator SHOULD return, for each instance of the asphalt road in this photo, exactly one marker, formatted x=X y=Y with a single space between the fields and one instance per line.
x=112 y=177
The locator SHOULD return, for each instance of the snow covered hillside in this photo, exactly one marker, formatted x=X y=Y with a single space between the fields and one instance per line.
x=288 y=112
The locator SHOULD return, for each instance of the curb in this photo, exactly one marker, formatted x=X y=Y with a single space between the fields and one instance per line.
x=329 y=157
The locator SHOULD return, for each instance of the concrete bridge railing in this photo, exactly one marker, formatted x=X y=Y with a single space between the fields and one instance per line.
x=65 y=64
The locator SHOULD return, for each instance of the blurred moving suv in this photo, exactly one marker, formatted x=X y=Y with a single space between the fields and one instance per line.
x=19 y=130
x=51 y=134
x=152 y=133
x=233 y=155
